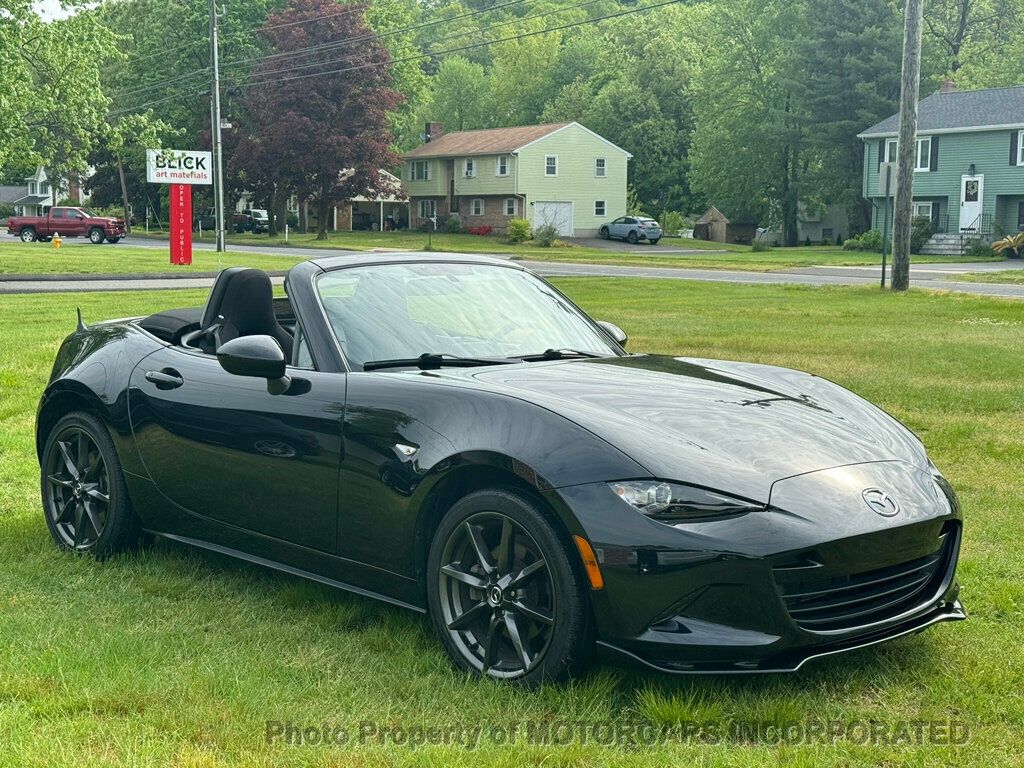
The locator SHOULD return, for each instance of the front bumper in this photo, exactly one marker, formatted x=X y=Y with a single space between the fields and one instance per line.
x=814 y=574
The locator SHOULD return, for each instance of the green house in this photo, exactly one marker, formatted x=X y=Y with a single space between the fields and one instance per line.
x=969 y=161
x=561 y=174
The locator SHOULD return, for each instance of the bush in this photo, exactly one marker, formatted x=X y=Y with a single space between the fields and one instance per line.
x=760 y=245
x=920 y=231
x=867 y=241
x=518 y=231
x=673 y=222
x=484 y=230
x=545 y=236
x=979 y=249
x=453 y=226
x=6 y=211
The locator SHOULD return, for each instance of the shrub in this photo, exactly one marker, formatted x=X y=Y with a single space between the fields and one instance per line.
x=1011 y=246
x=518 y=231
x=453 y=226
x=979 y=249
x=673 y=222
x=484 y=230
x=920 y=231
x=545 y=236
x=867 y=241
x=760 y=245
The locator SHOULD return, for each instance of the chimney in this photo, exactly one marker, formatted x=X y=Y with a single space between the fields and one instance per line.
x=948 y=86
x=434 y=131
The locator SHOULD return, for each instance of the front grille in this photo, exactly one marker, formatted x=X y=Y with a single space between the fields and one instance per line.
x=836 y=603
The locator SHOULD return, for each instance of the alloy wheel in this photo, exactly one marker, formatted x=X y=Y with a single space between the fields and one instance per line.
x=77 y=489
x=496 y=595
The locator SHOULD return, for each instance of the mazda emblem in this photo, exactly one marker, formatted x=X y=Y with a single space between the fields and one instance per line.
x=881 y=502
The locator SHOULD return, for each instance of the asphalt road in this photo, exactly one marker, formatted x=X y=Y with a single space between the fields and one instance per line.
x=934 y=276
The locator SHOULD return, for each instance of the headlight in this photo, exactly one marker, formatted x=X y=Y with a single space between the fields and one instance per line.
x=674 y=501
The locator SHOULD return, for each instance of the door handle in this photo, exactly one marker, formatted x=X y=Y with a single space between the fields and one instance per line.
x=168 y=378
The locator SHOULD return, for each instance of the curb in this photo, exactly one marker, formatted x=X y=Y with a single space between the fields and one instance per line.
x=122 y=276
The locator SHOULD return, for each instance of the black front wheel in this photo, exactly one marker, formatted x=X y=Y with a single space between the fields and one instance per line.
x=96 y=236
x=605 y=234
x=84 y=496
x=504 y=595
x=113 y=239
x=632 y=238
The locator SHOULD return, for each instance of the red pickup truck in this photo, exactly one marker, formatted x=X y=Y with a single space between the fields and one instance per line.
x=67 y=222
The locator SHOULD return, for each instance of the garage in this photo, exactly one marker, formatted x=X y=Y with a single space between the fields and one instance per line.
x=556 y=213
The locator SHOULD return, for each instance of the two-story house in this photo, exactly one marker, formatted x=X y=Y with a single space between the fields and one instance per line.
x=33 y=198
x=968 y=161
x=562 y=174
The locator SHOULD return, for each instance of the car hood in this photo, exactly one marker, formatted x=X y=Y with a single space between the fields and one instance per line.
x=735 y=427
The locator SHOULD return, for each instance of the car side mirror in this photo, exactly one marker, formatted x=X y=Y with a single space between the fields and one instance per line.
x=614 y=331
x=258 y=356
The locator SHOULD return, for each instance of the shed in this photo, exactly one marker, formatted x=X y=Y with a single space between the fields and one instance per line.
x=716 y=226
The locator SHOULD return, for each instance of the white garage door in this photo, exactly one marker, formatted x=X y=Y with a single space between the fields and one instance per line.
x=558 y=214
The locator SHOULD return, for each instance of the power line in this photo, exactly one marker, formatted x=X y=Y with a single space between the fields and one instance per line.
x=466 y=47
x=328 y=45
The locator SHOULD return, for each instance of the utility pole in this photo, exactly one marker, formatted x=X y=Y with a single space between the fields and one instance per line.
x=906 y=147
x=218 y=164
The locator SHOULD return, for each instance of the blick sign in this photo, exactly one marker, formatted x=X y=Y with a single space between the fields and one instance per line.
x=178 y=166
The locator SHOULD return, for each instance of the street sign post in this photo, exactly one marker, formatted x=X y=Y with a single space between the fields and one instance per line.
x=181 y=169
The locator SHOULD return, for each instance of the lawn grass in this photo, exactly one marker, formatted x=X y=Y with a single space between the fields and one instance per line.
x=82 y=259
x=1013 y=276
x=175 y=657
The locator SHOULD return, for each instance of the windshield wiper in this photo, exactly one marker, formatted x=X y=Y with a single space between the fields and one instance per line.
x=430 y=361
x=557 y=354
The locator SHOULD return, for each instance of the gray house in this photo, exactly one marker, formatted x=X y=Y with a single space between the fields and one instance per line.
x=968 y=161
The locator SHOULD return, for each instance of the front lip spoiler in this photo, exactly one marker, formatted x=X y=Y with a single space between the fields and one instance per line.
x=793 y=660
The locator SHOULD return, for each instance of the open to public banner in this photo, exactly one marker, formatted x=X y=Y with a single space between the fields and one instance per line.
x=181 y=224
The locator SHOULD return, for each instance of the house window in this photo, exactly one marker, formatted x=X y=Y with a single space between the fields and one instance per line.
x=599 y=208
x=501 y=166
x=510 y=206
x=923 y=210
x=420 y=170
x=1020 y=148
x=44 y=188
x=1020 y=215
x=428 y=209
x=890 y=151
x=827 y=234
x=600 y=168
x=551 y=165
x=476 y=208
x=31 y=187
x=469 y=168
x=924 y=154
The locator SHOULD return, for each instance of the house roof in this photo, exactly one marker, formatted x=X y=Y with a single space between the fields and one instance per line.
x=32 y=199
x=712 y=214
x=484 y=142
x=10 y=194
x=958 y=111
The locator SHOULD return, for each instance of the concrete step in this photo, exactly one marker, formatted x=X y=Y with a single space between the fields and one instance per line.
x=937 y=250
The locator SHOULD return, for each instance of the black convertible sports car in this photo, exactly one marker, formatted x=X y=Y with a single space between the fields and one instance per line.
x=453 y=435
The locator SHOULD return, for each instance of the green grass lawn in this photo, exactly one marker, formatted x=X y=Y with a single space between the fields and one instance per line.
x=175 y=657
x=1015 y=276
x=42 y=258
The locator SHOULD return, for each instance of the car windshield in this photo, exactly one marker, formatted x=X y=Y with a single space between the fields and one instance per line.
x=398 y=311
x=259 y=213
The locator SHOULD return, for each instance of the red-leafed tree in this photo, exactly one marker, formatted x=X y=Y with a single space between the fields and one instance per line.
x=318 y=119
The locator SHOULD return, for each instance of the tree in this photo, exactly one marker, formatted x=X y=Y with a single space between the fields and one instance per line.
x=966 y=26
x=325 y=134
x=459 y=95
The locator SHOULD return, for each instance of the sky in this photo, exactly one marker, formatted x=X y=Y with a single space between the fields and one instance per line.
x=50 y=9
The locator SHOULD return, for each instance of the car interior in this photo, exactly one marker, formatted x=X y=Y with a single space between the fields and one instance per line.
x=241 y=303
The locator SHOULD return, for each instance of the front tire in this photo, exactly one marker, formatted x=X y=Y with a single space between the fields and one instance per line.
x=655 y=241
x=604 y=233
x=96 y=236
x=85 y=500
x=113 y=240
x=632 y=238
x=503 y=594
x=27 y=235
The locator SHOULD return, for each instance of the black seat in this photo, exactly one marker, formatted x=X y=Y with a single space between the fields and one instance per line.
x=241 y=303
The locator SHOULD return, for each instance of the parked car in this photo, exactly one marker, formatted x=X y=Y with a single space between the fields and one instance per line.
x=67 y=222
x=206 y=219
x=509 y=468
x=255 y=220
x=632 y=229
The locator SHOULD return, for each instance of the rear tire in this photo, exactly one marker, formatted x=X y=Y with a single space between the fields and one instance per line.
x=113 y=239
x=503 y=594
x=605 y=235
x=96 y=236
x=631 y=238
x=27 y=235
x=655 y=241
x=85 y=500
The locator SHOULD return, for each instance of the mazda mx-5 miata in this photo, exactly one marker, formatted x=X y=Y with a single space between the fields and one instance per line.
x=451 y=434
